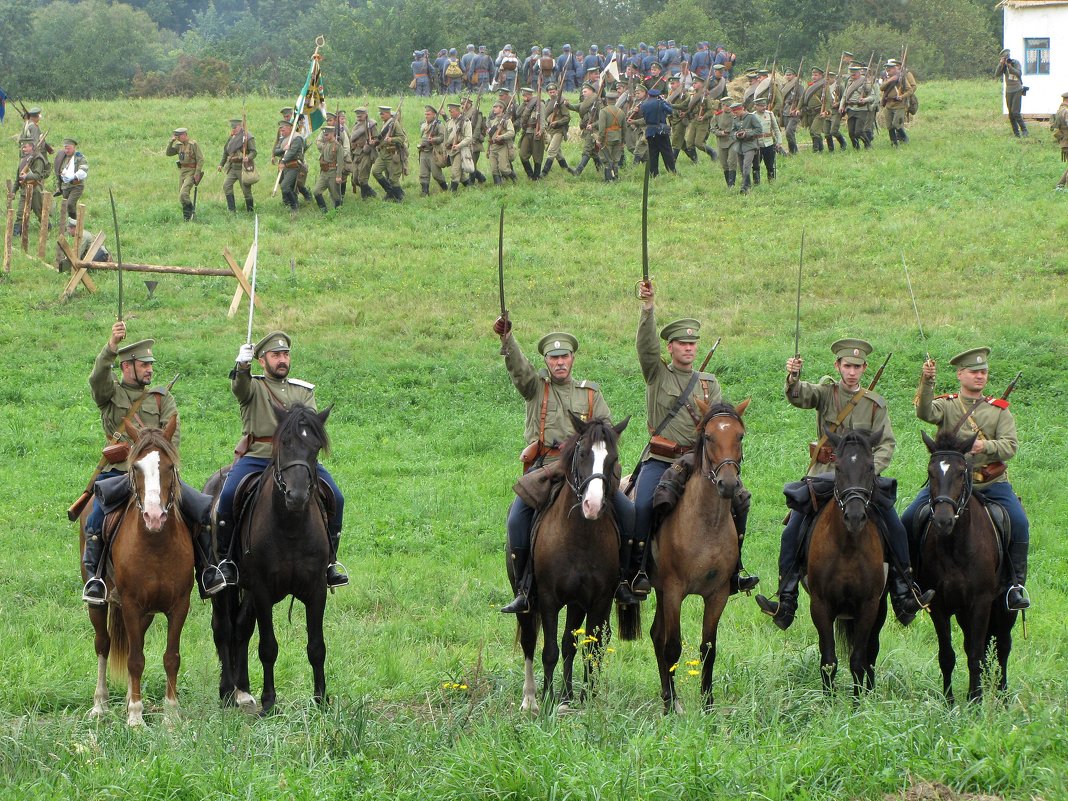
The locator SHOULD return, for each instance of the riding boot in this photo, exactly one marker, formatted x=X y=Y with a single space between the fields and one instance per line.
x=478 y=176
x=563 y=164
x=187 y=211
x=536 y=169
x=675 y=155
x=398 y=193
x=305 y=192
x=210 y=579
x=740 y=512
x=231 y=204
x=581 y=166
x=250 y=205
x=902 y=136
x=1015 y=127
x=623 y=159
x=1016 y=598
x=783 y=611
x=791 y=145
x=320 y=203
x=336 y=576
x=855 y=142
x=728 y=176
x=817 y=144
x=691 y=154
x=387 y=187
x=512 y=176
x=454 y=186
x=337 y=204
x=841 y=141
x=367 y=192
x=497 y=180
x=546 y=168
x=95 y=592
x=711 y=151
x=526 y=168
x=424 y=187
x=1022 y=124
x=893 y=136
x=444 y=185
x=906 y=597
x=756 y=173
x=523 y=568
x=640 y=584
x=344 y=188
x=830 y=143
x=17 y=230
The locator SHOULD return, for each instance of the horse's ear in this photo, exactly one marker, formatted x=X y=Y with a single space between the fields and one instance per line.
x=133 y=430
x=741 y=407
x=579 y=424
x=171 y=427
x=325 y=413
x=966 y=446
x=621 y=426
x=930 y=443
x=832 y=438
x=702 y=406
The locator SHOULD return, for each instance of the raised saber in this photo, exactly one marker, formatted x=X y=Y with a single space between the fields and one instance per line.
x=796 y=389
x=118 y=247
x=500 y=281
x=915 y=308
x=255 y=259
x=645 y=231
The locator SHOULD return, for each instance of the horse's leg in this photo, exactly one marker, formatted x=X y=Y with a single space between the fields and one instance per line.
x=528 y=639
x=550 y=650
x=947 y=659
x=598 y=627
x=1001 y=623
x=222 y=631
x=861 y=665
x=98 y=615
x=268 y=651
x=975 y=625
x=137 y=623
x=714 y=605
x=244 y=617
x=573 y=617
x=824 y=623
x=873 y=643
x=314 y=610
x=172 y=657
x=667 y=643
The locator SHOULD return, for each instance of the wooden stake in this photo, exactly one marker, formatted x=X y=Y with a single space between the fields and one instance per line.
x=9 y=228
x=240 y=291
x=240 y=276
x=46 y=214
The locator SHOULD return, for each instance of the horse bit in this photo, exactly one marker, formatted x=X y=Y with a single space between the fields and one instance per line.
x=280 y=482
x=712 y=473
x=854 y=493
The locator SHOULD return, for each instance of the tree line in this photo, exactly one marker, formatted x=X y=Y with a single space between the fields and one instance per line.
x=153 y=48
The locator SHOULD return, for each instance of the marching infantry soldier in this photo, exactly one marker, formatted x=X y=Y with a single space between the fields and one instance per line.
x=155 y=408
x=190 y=168
x=431 y=151
x=63 y=263
x=748 y=96
x=239 y=155
x=556 y=118
x=655 y=111
x=1059 y=126
x=840 y=405
x=475 y=116
x=500 y=139
x=361 y=146
x=634 y=134
x=791 y=109
x=898 y=92
x=1010 y=69
x=290 y=153
x=722 y=125
x=856 y=103
x=680 y=104
x=439 y=70
x=672 y=390
x=532 y=141
x=552 y=394
x=701 y=110
x=391 y=163
x=834 y=106
x=71 y=170
x=770 y=140
x=333 y=160
x=258 y=397
x=813 y=115
x=458 y=147
x=995 y=443
x=467 y=64
x=588 y=109
x=454 y=73
x=31 y=175
x=507 y=69
x=610 y=136
x=482 y=69
x=746 y=134
x=31 y=124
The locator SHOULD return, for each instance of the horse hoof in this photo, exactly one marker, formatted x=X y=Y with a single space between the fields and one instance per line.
x=529 y=705
x=566 y=709
x=244 y=700
x=98 y=711
x=677 y=707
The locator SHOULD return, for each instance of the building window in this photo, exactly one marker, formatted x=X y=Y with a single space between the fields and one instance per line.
x=1036 y=56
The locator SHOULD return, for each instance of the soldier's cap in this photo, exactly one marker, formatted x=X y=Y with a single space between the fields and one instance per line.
x=331 y=115
x=685 y=330
x=735 y=104
x=760 y=100
x=1065 y=94
x=527 y=90
x=25 y=140
x=588 y=85
x=508 y=48
x=442 y=52
x=452 y=51
x=653 y=92
x=762 y=73
x=141 y=351
x=856 y=67
x=234 y=123
x=847 y=54
x=752 y=74
x=431 y=108
x=818 y=69
x=386 y=108
x=274 y=341
x=593 y=48
x=612 y=94
x=284 y=124
x=535 y=49
x=718 y=67
x=34 y=112
x=974 y=359
x=657 y=66
x=470 y=47
x=832 y=74
x=180 y=131
x=789 y=71
x=496 y=104
x=482 y=48
x=72 y=223
x=286 y=110
x=671 y=43
x=674 y=78
x=416 y=54
x=550 y=87
x=851 y=351
x=557 y=343
x=546 y=51
x=893 y=62
x=1003 y=53
x=454 y=105
x=69 y=141
x=360 y=110
x=567 y=47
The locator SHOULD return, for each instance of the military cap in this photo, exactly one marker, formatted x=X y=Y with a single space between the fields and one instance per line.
x=470 y=47
x=752 y=74
x=360 y=110
x=654 y=93
x=69 y=141
x=893 y=62
x=818 y=69
x=832 y=74
x=274 y=341
x=508 y=48
x=735 y=104
x=674 y=78
x=763 y=73
x=546 y=51
x=25 y=140
x=527 y=90
x=534 y=49
x=567 y=47
x=557 y=343
x=431 y=108
x=974 y=359
x=550 y=86
x=386 y=108
x=789 y=71
x=685 y=330
x=851 y=351
x=233 y=123
x=760 y=100
x=592 y=69
x=285 y=124
x=180 y=131
x=671 y=43
x=588 y=85
x=718 y=67
x=856 y=67
x=612 y=94
x=452 y=51
x=1003 y=53
x=847 y=54
x=286 y=110
x=1065 y=94
x=593 y=48
x=331 y=115
x=454 y=105
x=141 y=351
x=496 y=104
x=72 y=223
x=481 y=48
x=442 y=52
x=34 y=112
x=416 y=54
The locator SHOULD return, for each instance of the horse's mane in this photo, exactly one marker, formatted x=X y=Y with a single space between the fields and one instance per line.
x=597 y=428
x=946 y=441
x=301 y=416
x=153 y=439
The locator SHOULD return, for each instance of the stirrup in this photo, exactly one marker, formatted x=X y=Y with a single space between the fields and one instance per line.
x=98 y=599
x=640 y=584
x=520 y=605
x=625 y=595
x=212 y=580
x=336 y=575
x=1024 y=601
x=230 y=573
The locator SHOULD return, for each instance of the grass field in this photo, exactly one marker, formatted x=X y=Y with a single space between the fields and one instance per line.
x=390 y=309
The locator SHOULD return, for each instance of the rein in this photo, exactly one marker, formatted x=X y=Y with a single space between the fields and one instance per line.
x=278 y=470
x=960 y=502
x=712 y=473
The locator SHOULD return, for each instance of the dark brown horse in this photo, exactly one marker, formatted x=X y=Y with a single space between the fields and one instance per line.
x=576 y=563
x=152 y=572
x=695 y=551
x=284 y=550
x=961 y=561
x=846 y=576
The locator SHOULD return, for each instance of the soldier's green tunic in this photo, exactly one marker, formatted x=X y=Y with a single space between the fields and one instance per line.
x=828 y=398
x=1059 y=126
x=556 y=119
x=431 y=152
x=811 y=105
x=991 y=420
x=363 y=152
x=190 y=166
x=333 y=162
x=292 y=161
x=500 y=139
x=239 y=151
x=113 y=398
x=71 y=173
x=610 y=133
x=701 y=112
x=392 y=152
x=664 y=383
x=531 y=145
x=458 y=139
x=257 y=396
x=577 y=397
x=679 y=119
x=588 y=116
x=32 y=172
x=896 y=100
x=722 y=123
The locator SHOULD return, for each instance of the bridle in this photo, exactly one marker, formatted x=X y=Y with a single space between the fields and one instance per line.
x=579 y=488
x=279 y=469
x=961 y=501
x=854 y=493
x=172 y=496
x=712 y=473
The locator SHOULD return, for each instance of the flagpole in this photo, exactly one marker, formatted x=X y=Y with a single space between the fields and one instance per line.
x=298 y=112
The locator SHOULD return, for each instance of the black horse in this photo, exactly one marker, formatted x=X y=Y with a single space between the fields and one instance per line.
x=284 y=550
x=960 y=558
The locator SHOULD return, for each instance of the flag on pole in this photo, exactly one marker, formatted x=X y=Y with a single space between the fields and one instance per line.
x=612 y=68
x=311 y=103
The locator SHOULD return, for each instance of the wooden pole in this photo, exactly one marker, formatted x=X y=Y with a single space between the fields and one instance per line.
x=46 y=214
x=240 y=276
x=247 y=270
x=27 y=205
x=155 y=268
x=78 y=268
x=9 y=228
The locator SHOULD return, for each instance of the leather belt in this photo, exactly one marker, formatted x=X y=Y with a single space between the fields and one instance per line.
x=327 y=165
x=291 y=164
x=235 y=159
x=263 y=439
x=186 y=166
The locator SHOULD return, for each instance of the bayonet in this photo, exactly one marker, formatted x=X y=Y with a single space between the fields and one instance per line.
x=500 y=281
x=118 y=247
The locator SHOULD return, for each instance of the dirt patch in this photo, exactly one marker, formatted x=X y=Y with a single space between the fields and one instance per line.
x=932 y=791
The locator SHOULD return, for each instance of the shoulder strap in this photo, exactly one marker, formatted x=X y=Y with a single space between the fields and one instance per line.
x=589 y=397
x=544 y=412
x=679 y=403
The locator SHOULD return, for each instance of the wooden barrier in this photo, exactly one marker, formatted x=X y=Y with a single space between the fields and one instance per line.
x=9 y=229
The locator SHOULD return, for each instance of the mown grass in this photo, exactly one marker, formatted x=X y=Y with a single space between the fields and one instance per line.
x=391 y=309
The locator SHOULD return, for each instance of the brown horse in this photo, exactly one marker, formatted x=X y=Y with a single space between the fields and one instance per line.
x=576 y=563
x=961 y=561
x=846 y=577
x=695 y=551
x=152 y=572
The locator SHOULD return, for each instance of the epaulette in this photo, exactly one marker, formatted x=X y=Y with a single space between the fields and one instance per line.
x=158 y=391
x=877 y=399
x=1001 y=403
x=947 y=396
x=297 y=382
x=589 y=385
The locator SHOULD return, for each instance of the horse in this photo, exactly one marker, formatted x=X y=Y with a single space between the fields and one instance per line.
x=284 y=550
x=846 y=575
x=961 y=560
x=151 y=572
x=695 y=550
x=576 y=564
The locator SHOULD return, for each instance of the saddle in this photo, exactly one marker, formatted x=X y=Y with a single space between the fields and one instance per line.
x=809 y=495
x=995 y=512
x=248 y=491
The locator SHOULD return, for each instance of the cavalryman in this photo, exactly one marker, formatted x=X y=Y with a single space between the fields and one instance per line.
x=333 y=162
x=392 y=161
x=154 y=408
x=992 y=423
x=841 y=405
x=431 y=149
x=672 y=390
x=1010 y=69
x=259 y=396
x=361 y=146
x=71 y=170
x=190 y=168
x=238 y=157
x=551 y=395
x=500 y=141
x=289 y=150
x=898 y=92
x=31 y=174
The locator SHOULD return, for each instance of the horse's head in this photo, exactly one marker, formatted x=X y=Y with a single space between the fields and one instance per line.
x=154 y=472
x=718 y=455
x=854 y=474
x=591 y=455
x=300 y=435
x=950 y=477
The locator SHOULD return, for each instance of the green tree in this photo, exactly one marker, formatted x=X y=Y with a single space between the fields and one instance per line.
x=959 y=37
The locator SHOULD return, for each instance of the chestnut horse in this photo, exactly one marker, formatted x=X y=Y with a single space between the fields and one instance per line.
x=695 y=550
x=576 y=563
x=152 y=572
x=961 y=560
x=846 y=575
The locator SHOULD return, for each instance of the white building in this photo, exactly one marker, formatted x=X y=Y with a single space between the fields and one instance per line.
x=1036 y=33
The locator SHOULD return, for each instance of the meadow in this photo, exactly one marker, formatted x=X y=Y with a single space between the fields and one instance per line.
x=390 y=308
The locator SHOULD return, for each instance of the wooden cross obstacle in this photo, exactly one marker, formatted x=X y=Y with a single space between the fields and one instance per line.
x=24 y=238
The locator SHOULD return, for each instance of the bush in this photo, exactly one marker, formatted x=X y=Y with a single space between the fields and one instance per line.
x=191 y=76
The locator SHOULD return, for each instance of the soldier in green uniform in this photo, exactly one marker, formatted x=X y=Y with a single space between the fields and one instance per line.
x=289 y=150
x=31 y=174
x=63 y=263
x=364 y=154
x=1059 y=125
x=532 y=138
x=701 y=111
x=813 y=115
x=458 y=148
x=556 y=119
x=281 y=142
x=1010 y=69
x=856 y=105
x=259 y=396
x=190 y=167
x=477 y=119
x=588 y=110
x=791 y=109
x=71 y=170
x=551 y=395
x=770 y=140
x=671 y=393
x=333 y=161
x=155 y=408
x=995 y=443
x=31 y=124
x=500 y=139
x=722 y=123
x=677 y=122
x=391 y=146
x=610 y=136
x=635 y=129
x=431 y=149
x=834 y=122
x=897 y=97
x=831 y=400
x=239 y=155
x=746 y=134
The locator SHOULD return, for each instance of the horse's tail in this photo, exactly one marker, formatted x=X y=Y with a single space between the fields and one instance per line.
x=629 y=621
x=845 y=634
x=119 y=653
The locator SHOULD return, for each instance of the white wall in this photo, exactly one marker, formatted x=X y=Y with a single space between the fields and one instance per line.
x=1044 y=93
